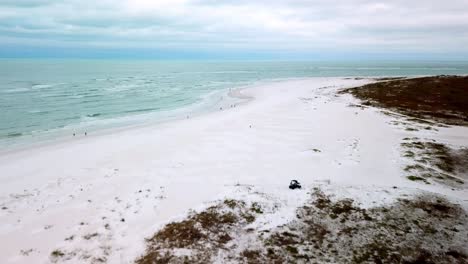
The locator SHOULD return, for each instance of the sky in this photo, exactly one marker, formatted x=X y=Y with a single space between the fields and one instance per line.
x=263 y=29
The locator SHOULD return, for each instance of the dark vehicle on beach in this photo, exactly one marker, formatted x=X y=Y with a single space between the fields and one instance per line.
x=294 y=185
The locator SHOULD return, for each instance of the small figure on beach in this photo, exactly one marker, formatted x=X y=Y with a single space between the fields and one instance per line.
x=73 y=134
x=220 y=108
x=250 y=126
x=85 y=133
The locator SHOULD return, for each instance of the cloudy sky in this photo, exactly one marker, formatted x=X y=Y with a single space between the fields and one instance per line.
x=262 y=28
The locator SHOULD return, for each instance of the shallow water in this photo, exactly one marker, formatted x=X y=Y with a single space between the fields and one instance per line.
x=45 y=99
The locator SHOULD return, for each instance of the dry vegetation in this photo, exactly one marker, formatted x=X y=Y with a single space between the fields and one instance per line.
x=424 y=229
x=201 y=235
x=441 y=98
x=423 y=104
x=431 y=161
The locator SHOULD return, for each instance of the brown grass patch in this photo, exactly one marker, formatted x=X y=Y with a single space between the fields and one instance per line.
x=440 y=98
x=203 y=233
x=90 y=236
x=431 y=160
x=57 y=253
x=422 y=229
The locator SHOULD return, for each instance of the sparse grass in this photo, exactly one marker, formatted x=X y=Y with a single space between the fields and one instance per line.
x=250 y=218
x=436 y=206
x=251 y=256
x=291 y=249
x=460 y=160
x=256 y=208
x=420 y=121
x=233 y=203
x=196 y=229
x=415 y=167
x=414 y=145
x=203 y=233
x=434 y=161
x=422 y=229
x=155 y=257
x=100 y=259
x=343 y=207
x=441 y=155
x=397 y=233
x=57 y=253
x=180 y=234
x=408 y=139
x=90 y=236
x=417 y=178
x=322 y=201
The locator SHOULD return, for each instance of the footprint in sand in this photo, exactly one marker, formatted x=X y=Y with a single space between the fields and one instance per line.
x=350 y=154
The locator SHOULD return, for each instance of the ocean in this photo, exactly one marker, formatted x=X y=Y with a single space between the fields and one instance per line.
x=47 y=99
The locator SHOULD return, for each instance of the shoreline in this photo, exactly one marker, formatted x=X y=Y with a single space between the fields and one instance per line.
x=177 y=114
x=172 y=116
x=126 y=185
x=168 y=116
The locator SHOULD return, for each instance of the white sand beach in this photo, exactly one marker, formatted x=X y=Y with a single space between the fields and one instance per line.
x=100 y=196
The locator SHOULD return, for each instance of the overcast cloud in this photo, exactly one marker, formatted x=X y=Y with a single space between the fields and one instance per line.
x=430 y=26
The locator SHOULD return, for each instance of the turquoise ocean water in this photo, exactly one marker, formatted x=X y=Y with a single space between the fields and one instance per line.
x=43 y=99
